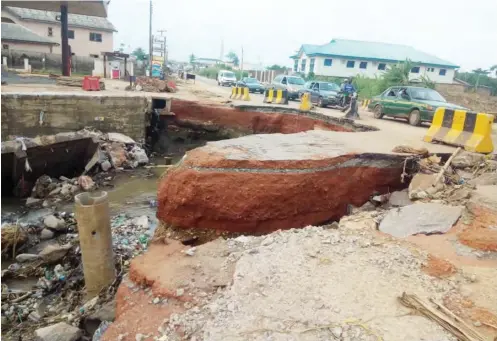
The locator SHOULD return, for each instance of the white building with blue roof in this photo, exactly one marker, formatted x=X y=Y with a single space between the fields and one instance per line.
x=349 y=58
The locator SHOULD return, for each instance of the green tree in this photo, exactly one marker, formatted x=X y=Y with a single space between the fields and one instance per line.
x=494 y=69
x=233 y=57
x=192 y=58
x=277 y=67
x=140 y=54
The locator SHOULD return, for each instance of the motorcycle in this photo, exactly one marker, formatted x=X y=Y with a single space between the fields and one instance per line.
x=343 y=100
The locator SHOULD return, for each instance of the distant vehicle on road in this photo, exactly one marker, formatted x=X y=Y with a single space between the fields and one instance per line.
x=225 y=77
x=416 y=104
x=290 y=83
x=321 y=93
x=252 y=83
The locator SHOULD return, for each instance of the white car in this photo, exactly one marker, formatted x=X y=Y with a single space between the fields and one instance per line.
x=225 y=77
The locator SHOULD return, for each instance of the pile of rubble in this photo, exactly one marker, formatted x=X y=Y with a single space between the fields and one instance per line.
x=115 y=152
x=49 y=251
x=150 y=84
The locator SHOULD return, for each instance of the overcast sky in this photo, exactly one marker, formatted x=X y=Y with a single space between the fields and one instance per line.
x=462 y=32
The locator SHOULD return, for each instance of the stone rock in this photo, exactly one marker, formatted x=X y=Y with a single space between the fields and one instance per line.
x=42 y=187
x=228 y=195
x=86 y=183
x=105 y=165
x=460 y=194
x=53 y=253
x=484 y=197
x=54 y=223
x=421 y=186
x=399 y=199
x=58 y=332
x=467 y=159
x=74 y=189
x=484 y=179
x=66 y=189
x=32 y=201
x=46 y=234
x=121 y=138
x=337 y=332
x=55 y=191
x=63 y=178
x=26 y=257
x=117 y=154
x=420 y=219
x=106 y=312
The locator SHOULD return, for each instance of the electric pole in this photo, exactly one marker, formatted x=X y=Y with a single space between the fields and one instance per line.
x=151 y=42
x=241 y=65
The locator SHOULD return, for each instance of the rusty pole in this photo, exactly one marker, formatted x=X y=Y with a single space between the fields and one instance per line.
x=95 y=237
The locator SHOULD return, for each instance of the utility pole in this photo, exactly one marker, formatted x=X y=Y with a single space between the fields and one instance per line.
x=151 y=42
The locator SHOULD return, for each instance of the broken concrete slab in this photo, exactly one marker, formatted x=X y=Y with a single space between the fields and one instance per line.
x=258 y=183
x=399 y=199
x=424 y=186
x=484 y=179
x=121 y=138
x=467 y=159
x=420 y=219
x=58 y=332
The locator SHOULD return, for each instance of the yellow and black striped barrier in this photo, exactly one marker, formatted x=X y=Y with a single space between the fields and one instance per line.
x=240 y=93
x=469 y=130
x=365 y=103
x=276 y=96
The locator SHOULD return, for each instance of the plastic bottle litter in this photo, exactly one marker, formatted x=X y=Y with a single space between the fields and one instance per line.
x=59 y=272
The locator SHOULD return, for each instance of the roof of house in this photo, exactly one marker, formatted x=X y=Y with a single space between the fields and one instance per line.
x=75 y=20
x=15 y=32
x=372 y=51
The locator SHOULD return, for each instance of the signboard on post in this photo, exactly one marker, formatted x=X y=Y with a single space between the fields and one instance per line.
x=156 y=68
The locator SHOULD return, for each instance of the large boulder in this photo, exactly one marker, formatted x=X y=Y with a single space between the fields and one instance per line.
x=262 y=183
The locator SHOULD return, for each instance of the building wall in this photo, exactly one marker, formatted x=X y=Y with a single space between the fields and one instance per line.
x=123 y=114
x=339 y=68
x=28 y=47
x=80 y=45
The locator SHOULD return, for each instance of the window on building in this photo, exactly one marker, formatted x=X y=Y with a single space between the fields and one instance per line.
x=350 y=64
x=50 y=32
x=382 y=66
x=442 y=72
x=296 y=65
x=363 y=65
x=415 y=69
x=96 y=37
x=302 y=65
x=311 y=65
x=328 y=62
x=94 y=55
x=5 y=46
x=431 y=69
x=70 y=34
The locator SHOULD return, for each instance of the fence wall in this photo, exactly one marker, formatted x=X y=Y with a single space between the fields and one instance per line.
x=40 y=61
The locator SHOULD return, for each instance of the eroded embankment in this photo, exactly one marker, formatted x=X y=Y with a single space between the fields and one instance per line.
x=305 y=169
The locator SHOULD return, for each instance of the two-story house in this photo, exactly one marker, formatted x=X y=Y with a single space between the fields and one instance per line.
x=349 y=58
x=88 y=35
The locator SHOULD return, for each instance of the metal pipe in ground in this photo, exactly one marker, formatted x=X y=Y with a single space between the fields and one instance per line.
x=95 y=238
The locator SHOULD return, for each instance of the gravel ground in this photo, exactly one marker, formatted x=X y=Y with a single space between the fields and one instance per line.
x=316 y=284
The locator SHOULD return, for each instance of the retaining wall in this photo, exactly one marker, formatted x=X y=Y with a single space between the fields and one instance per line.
x=32 y=115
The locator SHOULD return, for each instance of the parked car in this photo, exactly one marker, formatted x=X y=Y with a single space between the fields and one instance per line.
x=416 y=104
x=321 y=93
x=252 y=83
x=290 y=83
x=225 y=77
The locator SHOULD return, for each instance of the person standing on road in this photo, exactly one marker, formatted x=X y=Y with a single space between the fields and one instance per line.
x=348 y=90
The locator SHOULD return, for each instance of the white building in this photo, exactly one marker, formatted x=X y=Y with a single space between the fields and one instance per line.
x=349 y=58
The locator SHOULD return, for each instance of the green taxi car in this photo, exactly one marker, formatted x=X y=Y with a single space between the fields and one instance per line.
x=416 y=104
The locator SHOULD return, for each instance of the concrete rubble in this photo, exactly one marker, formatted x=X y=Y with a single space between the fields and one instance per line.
x=115 y=152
